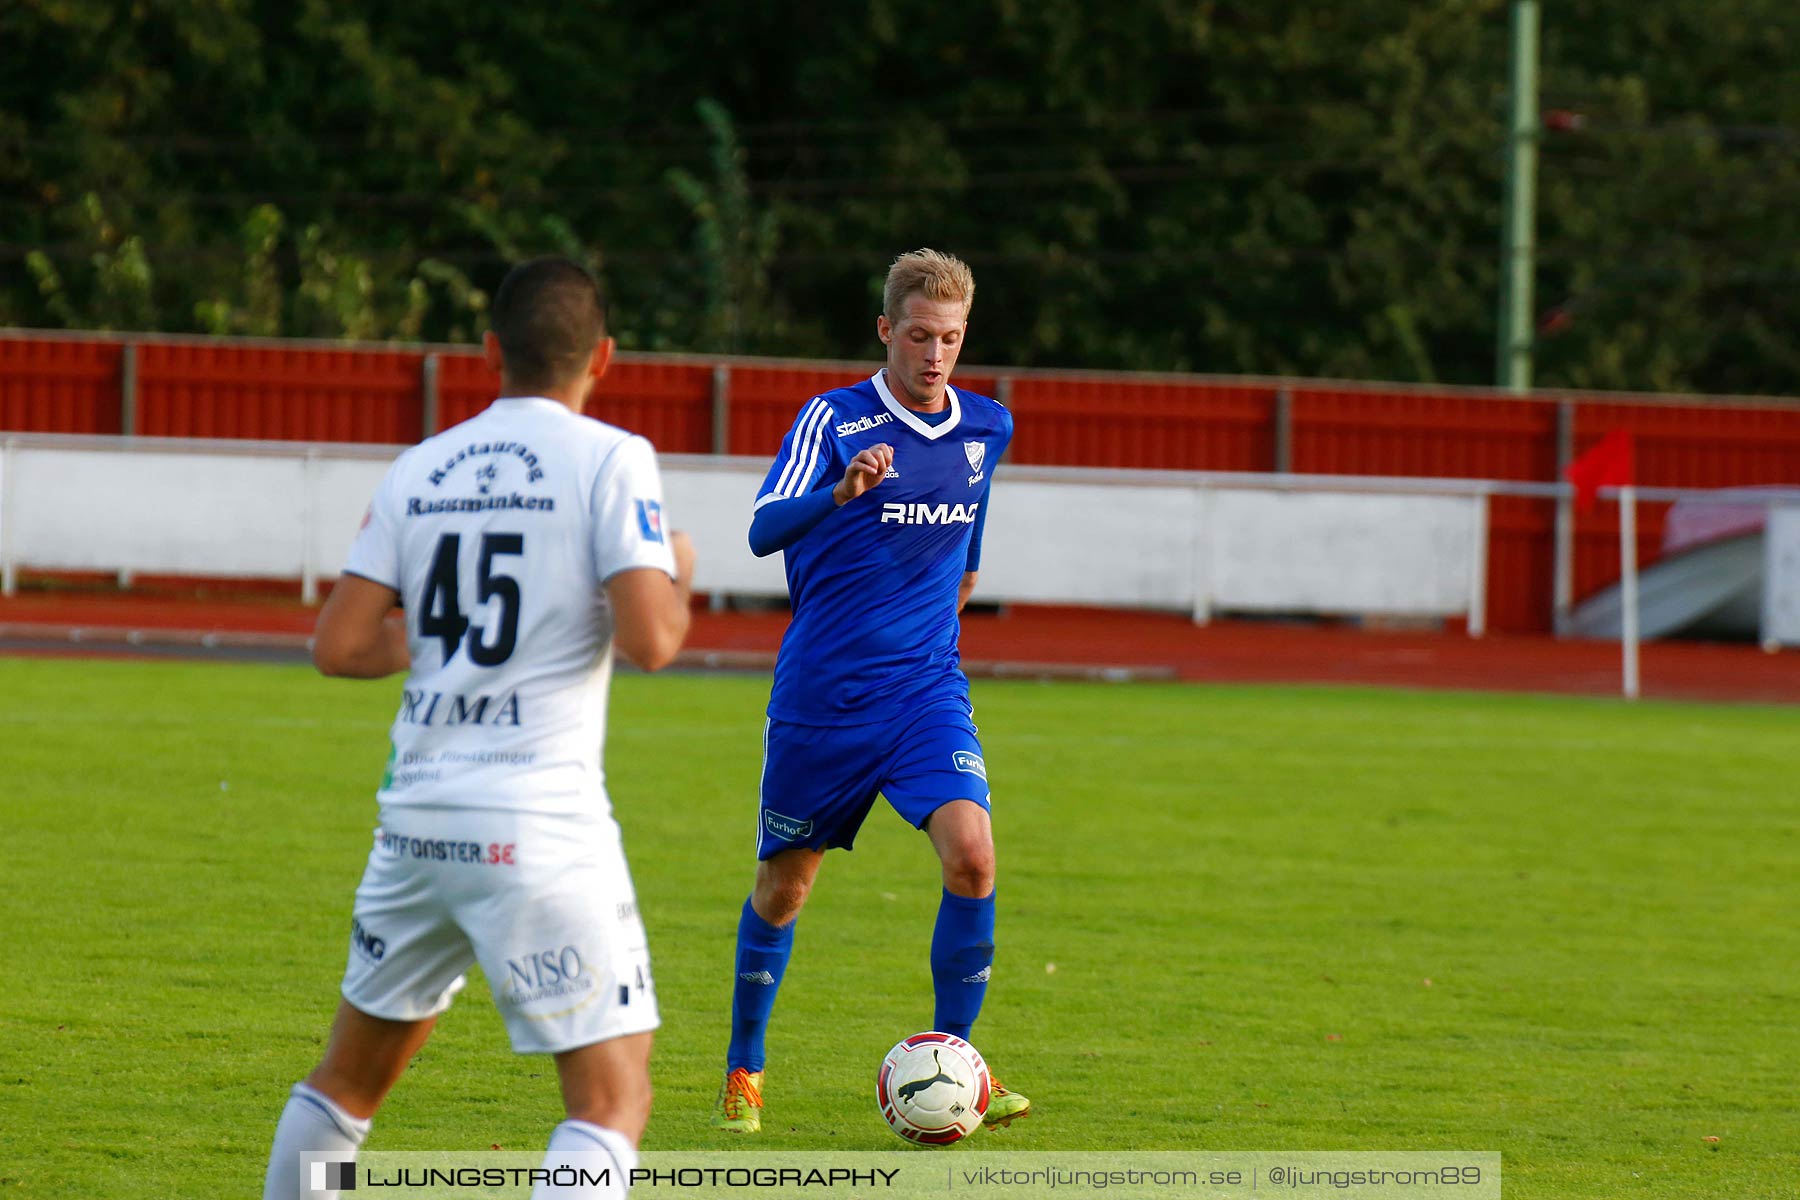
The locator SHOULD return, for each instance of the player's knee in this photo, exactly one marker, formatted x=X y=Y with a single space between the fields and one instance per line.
x=969 y=869
x=779 y=901
x=780 y=895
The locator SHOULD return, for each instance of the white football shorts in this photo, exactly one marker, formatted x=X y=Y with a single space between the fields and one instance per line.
x=544 y=904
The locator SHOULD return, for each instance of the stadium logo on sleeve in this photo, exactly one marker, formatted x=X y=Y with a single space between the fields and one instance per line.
x=969 y=763
x=846 y=428
x=785 y=828
x=650 y=520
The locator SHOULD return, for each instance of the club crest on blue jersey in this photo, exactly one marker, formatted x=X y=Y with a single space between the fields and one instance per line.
x=976 y=452
x=650 y=520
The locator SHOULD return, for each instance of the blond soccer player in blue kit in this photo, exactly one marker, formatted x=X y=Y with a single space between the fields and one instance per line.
x=878 y=498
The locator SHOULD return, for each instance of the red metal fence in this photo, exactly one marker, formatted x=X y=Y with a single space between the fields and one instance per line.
x=296 y=391
x=274 y=393
x=60 y=386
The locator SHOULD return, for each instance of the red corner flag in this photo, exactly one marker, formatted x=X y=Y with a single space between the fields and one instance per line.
x=1606 y=464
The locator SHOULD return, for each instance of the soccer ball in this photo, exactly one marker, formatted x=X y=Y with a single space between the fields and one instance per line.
x=933 y=1088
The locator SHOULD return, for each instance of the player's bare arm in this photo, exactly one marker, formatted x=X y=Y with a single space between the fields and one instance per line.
x=650 y=610
x=355 y=637
x=867 y=469
x=966 y=589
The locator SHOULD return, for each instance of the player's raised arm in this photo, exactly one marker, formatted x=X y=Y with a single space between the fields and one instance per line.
x=354 y=637
x=779 y=523
x=650 y=610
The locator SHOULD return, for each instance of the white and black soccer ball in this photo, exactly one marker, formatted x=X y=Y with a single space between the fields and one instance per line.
x=933 y=1088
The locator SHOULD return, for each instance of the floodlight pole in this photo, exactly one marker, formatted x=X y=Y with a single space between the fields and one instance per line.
x=1513 y=370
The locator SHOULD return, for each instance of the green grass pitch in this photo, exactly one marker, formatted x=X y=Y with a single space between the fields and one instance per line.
x=1231 y=918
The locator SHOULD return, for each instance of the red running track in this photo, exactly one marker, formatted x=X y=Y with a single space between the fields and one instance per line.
x=1018 y=641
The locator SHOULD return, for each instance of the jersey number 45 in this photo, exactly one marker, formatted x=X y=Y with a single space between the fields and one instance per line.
x=441 y=616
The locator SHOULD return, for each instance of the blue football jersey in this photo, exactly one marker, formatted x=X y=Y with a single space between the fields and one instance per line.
x=874 y=585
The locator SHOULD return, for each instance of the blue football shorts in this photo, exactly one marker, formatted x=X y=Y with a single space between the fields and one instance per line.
x=819 y=782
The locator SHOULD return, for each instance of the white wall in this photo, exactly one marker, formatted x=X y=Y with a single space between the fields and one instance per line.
x=181 y=513
x=1064 y=542
x=1138 y=539
x=1324 y=552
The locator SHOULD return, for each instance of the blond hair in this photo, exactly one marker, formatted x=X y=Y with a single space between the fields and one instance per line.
x=930 y=273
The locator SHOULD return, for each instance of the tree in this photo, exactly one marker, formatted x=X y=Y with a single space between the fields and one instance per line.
x=1285 y=187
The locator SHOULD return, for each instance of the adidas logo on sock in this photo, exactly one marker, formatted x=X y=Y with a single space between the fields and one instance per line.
x=762 y=977
x=980 y=976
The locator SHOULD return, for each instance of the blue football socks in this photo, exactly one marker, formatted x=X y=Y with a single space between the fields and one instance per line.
x=962 y=954
x=762 y=959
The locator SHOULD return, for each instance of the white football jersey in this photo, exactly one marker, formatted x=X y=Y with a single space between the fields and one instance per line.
x=499 y=535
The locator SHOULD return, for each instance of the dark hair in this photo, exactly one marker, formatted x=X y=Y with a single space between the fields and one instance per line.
x=549 y=315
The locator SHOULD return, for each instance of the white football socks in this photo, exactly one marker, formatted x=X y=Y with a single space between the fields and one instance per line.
x=311 y=1121
x=579 y=1145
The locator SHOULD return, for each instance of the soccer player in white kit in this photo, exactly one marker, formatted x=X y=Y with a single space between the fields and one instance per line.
x=522 y=547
